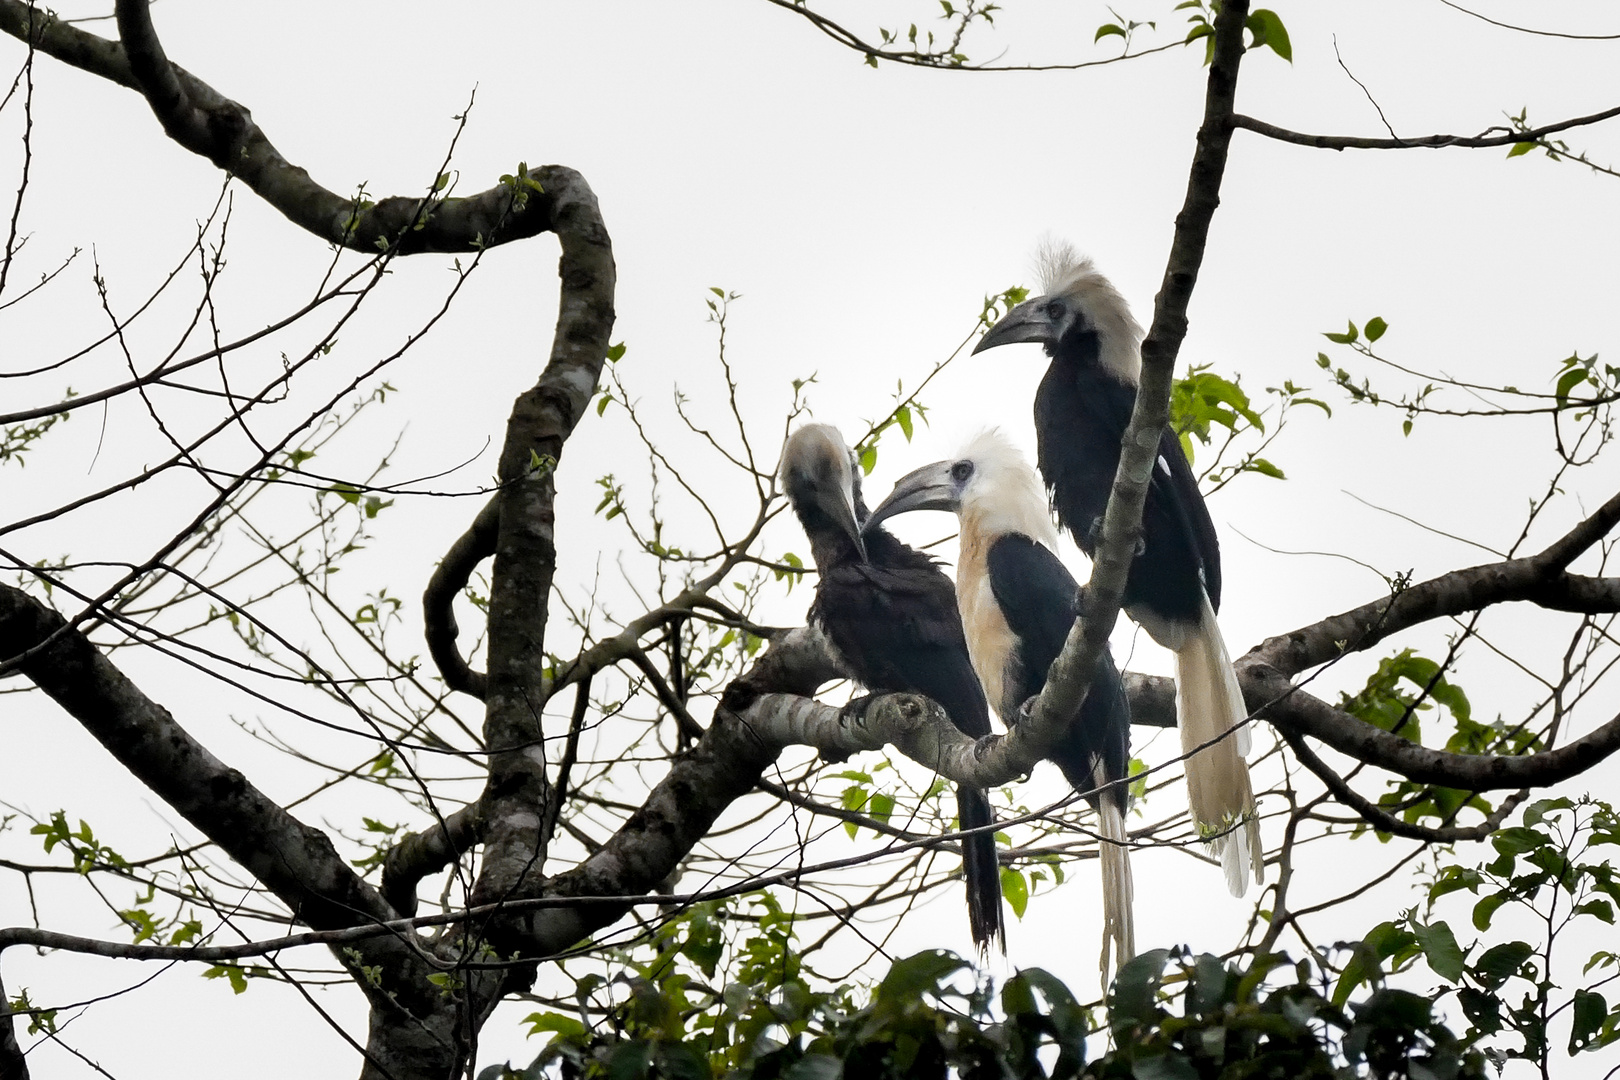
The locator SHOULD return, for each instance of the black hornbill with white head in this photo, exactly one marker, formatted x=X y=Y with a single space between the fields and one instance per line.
x=1174 y=589
x=1018 y=604
x=890 y=613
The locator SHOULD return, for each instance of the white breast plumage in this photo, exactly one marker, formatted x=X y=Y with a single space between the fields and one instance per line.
x=991 y=644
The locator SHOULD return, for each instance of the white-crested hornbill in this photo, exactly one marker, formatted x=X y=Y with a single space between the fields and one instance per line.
x=890 y=613
x=1018 y=604
x=1174 y=589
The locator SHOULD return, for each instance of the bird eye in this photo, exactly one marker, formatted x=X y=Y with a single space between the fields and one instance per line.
x=1055 y=310
x=961 y=471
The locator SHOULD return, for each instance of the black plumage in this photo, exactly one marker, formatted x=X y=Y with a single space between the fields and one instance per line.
x=1018 y=605
x=1082 y=409
x=891 y=615
x=1040 y=601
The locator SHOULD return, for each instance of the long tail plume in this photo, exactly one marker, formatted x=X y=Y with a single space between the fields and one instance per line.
x=1119 y=924
x=982 y=871
x=1208 y=705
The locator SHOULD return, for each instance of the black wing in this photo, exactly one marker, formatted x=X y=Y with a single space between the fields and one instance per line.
x=1080 y=417
x=1040 y=600
x=895 y=621
x=1177 y=496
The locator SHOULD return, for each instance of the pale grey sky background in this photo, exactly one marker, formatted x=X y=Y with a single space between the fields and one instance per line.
x=862 y=215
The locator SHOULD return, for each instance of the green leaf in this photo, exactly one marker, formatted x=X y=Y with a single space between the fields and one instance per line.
x=1171 y=1066
x=629 y=1061
x=1375 y=328
x=681 y=1061
x=615 y=353
x=1486 y=908
x=1568 y=381
x=1345 y=338
x=236 y=975
x=1266 y=468
x=1108 y=30
x=916 y=975
x=1538 y=811
x=1015 y=889
x=1500 y=963
x=1382 y=942
x=1599 y=909
x=815 y=1067
x=1268 y=30
x=1588 y=1011
x=555 y=1023
x=1135 y=990
x=903 y=417
x=1440 y=949
x=1517 y=841
x=869 y=459
x=1520 y=148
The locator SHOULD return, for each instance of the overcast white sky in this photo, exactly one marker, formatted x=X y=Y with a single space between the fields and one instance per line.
x=863 y=215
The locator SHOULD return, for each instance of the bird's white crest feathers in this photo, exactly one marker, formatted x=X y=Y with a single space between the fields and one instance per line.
x=1064 y=272
x=1004 y=495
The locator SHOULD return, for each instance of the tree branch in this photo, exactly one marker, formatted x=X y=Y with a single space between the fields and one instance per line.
x=295 y=861
x=525 y=547
x=1070 y=675
x=420 y=854
x=449 y=578
x=1386 y=822
x=1433 y=142
x=1270 y=693
x=721 y=768
x=206 y=122
x=1539 y=578
x=13 y=1063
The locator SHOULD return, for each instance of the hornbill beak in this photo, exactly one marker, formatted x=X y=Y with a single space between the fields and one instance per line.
x=842 y=511
x=1028 y=321
x=927 y=488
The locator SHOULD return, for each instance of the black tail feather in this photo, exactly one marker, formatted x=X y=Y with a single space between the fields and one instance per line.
x=981 y=870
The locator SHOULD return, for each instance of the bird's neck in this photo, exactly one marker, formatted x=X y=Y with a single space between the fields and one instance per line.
x=1082 y=354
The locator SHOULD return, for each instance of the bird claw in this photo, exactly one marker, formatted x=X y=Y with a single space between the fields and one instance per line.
x=1095 y=535
x=854 y=707
x=1026 y=711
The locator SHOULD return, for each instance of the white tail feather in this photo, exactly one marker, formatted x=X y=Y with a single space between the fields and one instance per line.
x=1208 y=705
x=1119 y=924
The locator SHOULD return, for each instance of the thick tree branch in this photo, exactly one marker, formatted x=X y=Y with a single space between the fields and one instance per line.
x=206 y=122
x=1070 y=675
x=525 y=548
x=1386 y=822
x=1539 y=578
x=721 y=768
x=13 y=1065
x=449 y=578
x=420 y=854
x=295 y=861
x=1354 y=142
x=1292 y=710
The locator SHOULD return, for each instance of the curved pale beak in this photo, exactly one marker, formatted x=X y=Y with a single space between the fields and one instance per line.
x=842 y=512
x=1026 y=322
x=927 y=488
